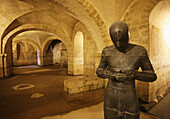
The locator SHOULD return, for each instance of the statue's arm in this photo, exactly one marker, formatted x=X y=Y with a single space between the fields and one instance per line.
x=102 y=70
x=147 y=74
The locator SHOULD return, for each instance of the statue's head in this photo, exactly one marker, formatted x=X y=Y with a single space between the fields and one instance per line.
x=119 y=34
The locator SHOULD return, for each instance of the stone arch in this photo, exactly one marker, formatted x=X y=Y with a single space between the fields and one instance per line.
x=100 y=28
x=48 y=41
x=6 y=42
x=66 y=43
x=28 y=27
x=139 y=25
x=89 y=48
x=92 y=13
x=81 y=27
x=35 y=15
x=34 y=44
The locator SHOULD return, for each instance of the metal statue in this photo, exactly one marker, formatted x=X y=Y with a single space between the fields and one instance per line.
x=120 y=64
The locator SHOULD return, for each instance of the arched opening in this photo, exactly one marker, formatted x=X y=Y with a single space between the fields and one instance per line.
x=159 y=47
x=26 y=53
x=78 y=54
x=36 y=38
x=55 y=52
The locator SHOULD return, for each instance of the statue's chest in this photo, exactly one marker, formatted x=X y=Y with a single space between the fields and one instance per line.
x=123 y=61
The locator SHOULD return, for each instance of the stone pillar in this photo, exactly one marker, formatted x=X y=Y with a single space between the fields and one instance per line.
x=78 y=67
x=41 y=60
x=7 y=66
x=70 y=63
x=1 y=66
x=64 y=58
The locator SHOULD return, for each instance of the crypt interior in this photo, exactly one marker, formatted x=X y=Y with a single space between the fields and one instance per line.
x=50 y=50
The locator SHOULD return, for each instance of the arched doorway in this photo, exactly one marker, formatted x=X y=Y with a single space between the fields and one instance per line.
x=55 y=52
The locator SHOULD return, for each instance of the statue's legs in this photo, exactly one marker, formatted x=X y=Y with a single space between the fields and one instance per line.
x=116 y=114
x=110 y=114
x=128 y=116
x=120 y=103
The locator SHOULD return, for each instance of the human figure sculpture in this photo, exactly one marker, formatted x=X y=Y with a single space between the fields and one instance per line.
x=120 y=63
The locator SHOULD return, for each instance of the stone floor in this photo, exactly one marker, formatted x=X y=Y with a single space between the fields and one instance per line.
x=37 y=93
x=162 y=108
x=92 y=112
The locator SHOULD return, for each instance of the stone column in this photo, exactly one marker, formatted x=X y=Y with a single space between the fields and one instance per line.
x=78 y=67
x=7 y=66
x=41 y=60
x=1 y=66
x=70 y=63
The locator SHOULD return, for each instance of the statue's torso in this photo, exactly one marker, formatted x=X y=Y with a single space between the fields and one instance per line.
x=121 y=95
x=124 y=61
x=130 y=60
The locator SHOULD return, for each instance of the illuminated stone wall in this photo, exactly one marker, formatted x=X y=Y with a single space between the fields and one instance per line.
x=78 y=54
x=64 y=57
x=160 y=49
x=24 y=54
x=137 y=17
x=57 y=53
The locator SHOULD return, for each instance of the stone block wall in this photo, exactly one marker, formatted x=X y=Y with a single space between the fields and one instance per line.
x=89 y=51
x=84 y=51
x=48 y=59
x=57 y=53
x=64 y=58
x=83 y=84
x=160 y=58
x=137 y=17
x=24 y=54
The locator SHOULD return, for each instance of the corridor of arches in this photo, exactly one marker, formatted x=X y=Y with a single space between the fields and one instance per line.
x=50 y=50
